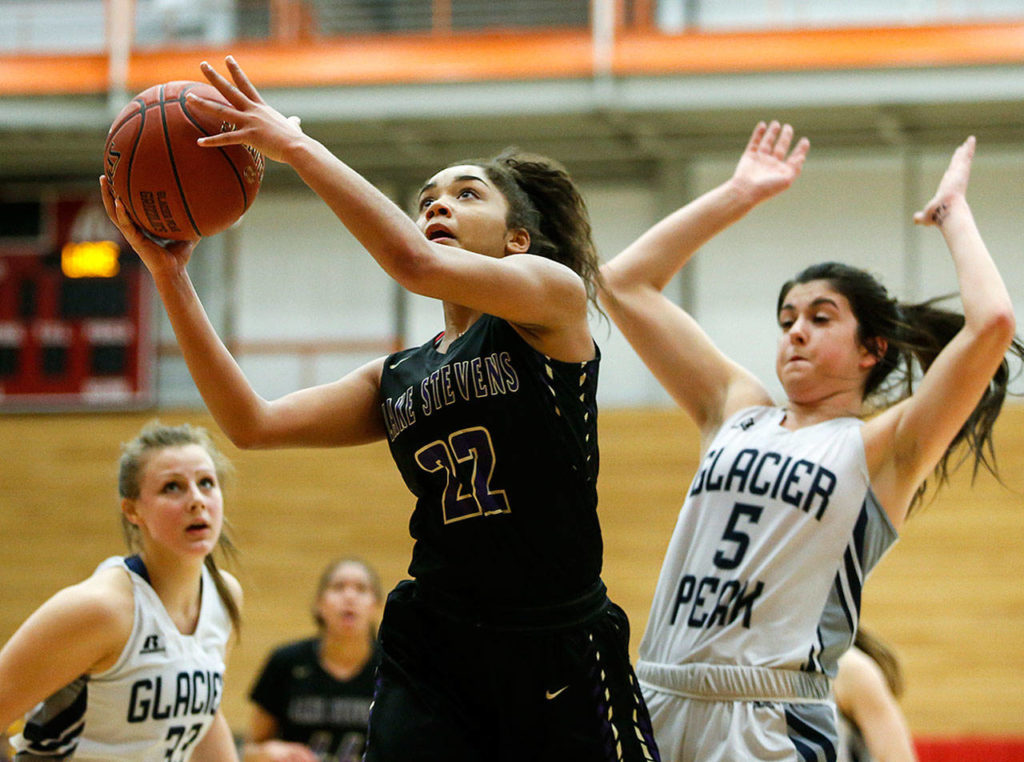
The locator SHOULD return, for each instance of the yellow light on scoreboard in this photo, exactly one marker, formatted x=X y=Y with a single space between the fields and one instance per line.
x=90 y=259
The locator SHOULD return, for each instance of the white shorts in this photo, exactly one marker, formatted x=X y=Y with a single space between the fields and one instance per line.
x=722 y=713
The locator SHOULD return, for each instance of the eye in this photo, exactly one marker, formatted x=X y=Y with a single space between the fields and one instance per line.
x=172 y=486
x=425 y=202
x=785 y=323
x=208 y=482
x=468 y=192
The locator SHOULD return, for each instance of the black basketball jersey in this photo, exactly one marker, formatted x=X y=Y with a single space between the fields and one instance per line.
x=499 y=444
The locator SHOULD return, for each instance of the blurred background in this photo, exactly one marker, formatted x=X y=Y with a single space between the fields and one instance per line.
x=647 y=103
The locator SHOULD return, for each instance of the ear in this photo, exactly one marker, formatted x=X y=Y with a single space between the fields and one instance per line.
x=874 y=350
x=517 y=241
x=129 y=511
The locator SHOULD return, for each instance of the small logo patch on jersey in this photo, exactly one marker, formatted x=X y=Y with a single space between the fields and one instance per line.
x=152 y=645
x=554 y=694
x=396 y=363
x=745 y=424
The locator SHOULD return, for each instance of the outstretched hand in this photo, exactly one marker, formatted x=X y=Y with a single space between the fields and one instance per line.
x=952 y=186
x=767 y=166
x=173 y=255
x=255 y=123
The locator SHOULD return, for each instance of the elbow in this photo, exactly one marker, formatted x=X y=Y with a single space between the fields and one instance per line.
x=244 y=440
x=612 y=290
x=1001 y=326
x=247 y=434
x=612 y=281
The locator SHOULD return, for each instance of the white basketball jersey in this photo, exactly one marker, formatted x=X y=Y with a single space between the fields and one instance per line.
x=772 y=546
x=155 y=703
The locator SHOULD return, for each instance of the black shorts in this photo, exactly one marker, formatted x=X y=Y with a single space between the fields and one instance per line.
x=453 y=690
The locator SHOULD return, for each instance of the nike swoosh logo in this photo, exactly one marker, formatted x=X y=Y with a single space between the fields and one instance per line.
x=553 y=694
x=394 y=365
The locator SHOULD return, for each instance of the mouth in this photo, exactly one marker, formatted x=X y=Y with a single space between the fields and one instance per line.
x=438 y=233
x=197 y=527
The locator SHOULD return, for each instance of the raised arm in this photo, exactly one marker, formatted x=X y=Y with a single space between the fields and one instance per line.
x=530 y=291
x=905 y=443
x=699 y=377
x=342 y=413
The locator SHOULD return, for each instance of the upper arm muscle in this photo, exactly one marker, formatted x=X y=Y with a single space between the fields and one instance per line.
x=82 y=628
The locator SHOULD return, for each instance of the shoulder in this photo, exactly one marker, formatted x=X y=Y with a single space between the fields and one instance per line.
x=99 y=610
x=858 y=677
x=294 y=648
x=287 y=654
x=107 y=594
x=742 y=419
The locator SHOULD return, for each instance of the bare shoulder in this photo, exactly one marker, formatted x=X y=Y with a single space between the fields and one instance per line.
x=108 y=599
x=858 y=674
x=107 y=596
x=87 y=623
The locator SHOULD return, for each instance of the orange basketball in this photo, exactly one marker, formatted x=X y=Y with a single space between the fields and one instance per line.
x=172 y=187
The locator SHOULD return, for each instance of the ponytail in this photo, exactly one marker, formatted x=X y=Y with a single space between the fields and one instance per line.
x=883 y=655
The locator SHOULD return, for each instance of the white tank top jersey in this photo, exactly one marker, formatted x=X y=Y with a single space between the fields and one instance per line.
x=771 y=549
x=155 y=703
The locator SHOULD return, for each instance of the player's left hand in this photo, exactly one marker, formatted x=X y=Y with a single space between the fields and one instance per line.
x=952 y=187
x=256 y=124
x=768 y=166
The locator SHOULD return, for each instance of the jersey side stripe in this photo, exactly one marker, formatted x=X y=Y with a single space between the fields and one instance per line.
x=803 y=732
x=56 y=732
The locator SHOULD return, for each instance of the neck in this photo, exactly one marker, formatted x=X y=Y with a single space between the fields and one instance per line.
x=345 y=655
x=800 y=414
x=457 y=320
x=178 y=585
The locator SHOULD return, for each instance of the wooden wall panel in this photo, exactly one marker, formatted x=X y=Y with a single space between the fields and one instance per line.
x=949 y=596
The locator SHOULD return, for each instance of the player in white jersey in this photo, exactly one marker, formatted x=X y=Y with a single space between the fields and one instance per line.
x=867 y=688
x=128 y=665
x=759 y=593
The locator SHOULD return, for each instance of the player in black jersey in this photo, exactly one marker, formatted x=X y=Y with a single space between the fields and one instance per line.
x=504 y=646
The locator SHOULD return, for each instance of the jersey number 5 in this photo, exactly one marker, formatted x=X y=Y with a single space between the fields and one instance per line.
x=740 y=539
x=467 y=461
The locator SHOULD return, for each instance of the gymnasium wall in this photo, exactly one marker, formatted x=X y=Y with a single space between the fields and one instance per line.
x=298 y=275
x=948 y=596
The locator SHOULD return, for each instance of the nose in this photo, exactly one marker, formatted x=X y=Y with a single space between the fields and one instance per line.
x=438 y=208
x=196 y=498
x=797 y=332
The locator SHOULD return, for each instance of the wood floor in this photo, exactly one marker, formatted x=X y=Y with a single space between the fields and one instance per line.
x=949 y=597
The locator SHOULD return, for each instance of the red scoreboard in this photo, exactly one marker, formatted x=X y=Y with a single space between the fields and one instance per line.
x=75 y=309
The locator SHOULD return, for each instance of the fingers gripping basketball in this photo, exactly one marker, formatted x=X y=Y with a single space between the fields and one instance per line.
x=170 y=186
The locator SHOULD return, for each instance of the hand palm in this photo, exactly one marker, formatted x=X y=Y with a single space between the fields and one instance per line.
x=768 y=166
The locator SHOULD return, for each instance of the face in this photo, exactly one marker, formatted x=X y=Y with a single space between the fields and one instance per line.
x=460 y=206
x=180 y=508
x=819 y=353
x=348 y=604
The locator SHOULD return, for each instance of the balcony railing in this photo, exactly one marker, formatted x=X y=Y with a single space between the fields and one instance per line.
x=80 y=26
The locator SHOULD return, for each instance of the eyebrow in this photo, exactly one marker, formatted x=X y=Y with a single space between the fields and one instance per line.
x=460 y=179
x=816 y=303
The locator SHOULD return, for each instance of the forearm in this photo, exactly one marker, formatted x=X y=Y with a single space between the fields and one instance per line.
x=224 y=389
x=982 y=291
x=218 y=745
x=889 y=740
x=663 y=250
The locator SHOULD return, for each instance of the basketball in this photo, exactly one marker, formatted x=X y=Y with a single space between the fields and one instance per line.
x=172 y=187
